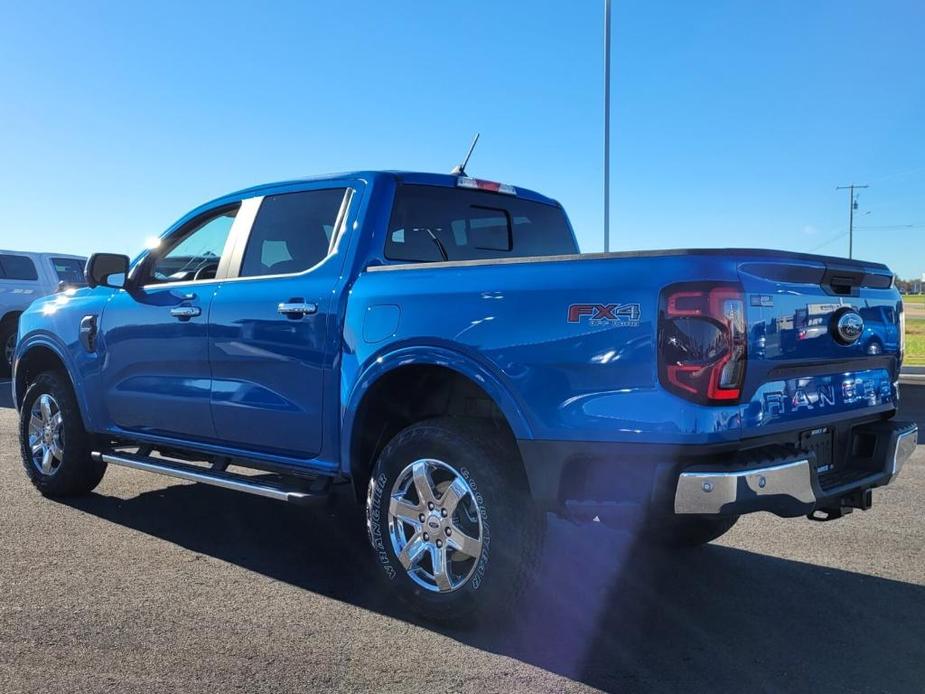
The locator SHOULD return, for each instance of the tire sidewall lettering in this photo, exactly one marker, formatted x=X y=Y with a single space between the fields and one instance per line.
x=374 y=521
x=478 y=576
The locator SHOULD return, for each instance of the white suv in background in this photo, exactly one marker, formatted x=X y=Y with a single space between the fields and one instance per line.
x=24 y=277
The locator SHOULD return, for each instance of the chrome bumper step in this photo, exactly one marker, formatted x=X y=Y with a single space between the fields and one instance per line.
x=787 y=484
x=216 y=478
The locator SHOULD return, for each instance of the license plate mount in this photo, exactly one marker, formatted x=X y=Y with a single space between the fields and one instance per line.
x=819 y=441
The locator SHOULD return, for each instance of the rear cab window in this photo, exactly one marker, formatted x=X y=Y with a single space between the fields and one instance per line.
x=17 y=267
x=434 y=224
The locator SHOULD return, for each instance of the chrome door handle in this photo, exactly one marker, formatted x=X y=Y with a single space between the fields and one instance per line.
x=185 y=311
x=297 y=308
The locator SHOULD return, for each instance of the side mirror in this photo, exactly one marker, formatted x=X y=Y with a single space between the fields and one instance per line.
x=107 y=270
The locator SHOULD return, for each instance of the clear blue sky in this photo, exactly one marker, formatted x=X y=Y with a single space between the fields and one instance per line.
x=733 y=121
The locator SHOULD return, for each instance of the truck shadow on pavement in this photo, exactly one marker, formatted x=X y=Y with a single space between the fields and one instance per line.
x=607 y=613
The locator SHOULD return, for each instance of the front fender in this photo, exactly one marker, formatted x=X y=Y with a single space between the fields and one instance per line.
x=428 y=355
x=52 y=344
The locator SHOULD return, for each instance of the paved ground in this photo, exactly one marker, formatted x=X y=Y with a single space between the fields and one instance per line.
x=154 y=585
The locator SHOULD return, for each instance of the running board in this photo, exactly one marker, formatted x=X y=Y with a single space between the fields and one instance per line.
x=225 y=480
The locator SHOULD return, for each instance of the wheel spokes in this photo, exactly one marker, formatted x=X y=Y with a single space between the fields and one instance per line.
x=412 y=552
x=405 y=511
x=464 y=543
x=45 y=407
x=56 y=450
x=453 y=495
x=48 y=459
x=438 y=559
x=423 y=483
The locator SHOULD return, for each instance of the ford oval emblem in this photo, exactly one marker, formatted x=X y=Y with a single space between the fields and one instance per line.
x=848 y=326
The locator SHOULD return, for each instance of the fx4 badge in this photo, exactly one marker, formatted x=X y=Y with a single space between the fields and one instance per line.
x=605 y=314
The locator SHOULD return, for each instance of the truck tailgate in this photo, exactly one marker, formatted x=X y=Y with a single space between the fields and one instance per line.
x=823 y=342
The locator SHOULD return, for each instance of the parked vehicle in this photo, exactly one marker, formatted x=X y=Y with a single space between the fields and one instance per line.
x=438 y=343
x=24 y=277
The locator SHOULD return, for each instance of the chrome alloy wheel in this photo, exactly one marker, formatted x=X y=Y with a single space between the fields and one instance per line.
x=435 y=525
x=46 y=434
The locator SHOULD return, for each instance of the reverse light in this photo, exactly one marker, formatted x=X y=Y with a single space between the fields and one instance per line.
x=491 y=186
x=702 y=342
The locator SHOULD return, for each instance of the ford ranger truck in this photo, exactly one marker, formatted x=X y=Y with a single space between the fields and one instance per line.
x=438 y=343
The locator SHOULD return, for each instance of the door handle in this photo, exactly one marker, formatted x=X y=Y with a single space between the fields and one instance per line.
x=185 y=312
x=297 y=308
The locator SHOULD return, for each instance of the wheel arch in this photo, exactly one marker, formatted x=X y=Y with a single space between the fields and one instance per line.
x=412 y=385
x=37 y=357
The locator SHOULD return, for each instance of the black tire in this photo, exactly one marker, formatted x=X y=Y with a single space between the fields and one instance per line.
x=7 y=340
x=694 y=531
x=75 y=472
x=511 y=528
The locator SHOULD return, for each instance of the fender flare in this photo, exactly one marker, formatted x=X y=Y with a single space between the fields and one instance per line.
x=379 y=365
x=47 y=342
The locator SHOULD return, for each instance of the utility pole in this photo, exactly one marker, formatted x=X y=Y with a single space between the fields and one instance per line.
x=852 y=203
x=606 y=126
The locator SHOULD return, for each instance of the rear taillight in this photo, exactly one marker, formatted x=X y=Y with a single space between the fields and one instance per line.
x=701 y=340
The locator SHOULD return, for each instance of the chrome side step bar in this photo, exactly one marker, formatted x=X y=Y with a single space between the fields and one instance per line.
x=225 y=480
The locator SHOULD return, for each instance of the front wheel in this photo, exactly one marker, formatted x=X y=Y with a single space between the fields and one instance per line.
x=451 y=520
x=55 y=446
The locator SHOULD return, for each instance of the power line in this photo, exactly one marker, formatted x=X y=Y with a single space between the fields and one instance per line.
x=852 y=204
x=894 y=226
x=831 y=240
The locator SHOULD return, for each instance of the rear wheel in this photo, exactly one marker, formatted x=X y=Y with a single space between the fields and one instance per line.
x=55 y=446
x=451 y=520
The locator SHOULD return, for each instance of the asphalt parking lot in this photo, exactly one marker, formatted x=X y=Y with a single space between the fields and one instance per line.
x=155 y=585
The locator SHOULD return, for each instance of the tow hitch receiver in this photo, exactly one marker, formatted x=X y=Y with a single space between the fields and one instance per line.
x=862 y=499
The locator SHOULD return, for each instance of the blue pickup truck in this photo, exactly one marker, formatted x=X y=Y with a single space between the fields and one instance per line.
x=438 y=343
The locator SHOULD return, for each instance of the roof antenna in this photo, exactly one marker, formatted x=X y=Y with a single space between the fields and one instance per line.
x=460 y=170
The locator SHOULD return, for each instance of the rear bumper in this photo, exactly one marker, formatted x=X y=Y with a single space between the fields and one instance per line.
x=788 y=487
x=612 y=482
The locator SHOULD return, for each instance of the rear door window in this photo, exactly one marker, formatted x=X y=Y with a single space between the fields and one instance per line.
x=292 y=232
x=17 y=267
x=431 y=223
